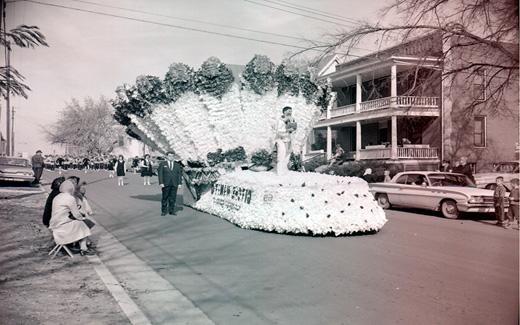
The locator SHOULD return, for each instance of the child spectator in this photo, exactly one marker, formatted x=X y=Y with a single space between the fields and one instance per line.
x=498 y=199
x=514 y=201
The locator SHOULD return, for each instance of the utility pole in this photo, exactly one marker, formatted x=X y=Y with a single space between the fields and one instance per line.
x=12 y=132
x=8 y=132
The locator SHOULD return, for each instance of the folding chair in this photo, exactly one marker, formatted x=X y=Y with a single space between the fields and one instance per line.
x=57 y=248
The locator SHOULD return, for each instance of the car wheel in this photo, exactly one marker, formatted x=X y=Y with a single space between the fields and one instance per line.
x=382 y=200
x=449 y=209
x=491 y=187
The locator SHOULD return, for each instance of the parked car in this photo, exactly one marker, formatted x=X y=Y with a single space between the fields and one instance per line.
x=449 y=193
x=16 y=169
x=506 y=169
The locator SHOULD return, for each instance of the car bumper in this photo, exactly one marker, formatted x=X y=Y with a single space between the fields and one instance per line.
x=477 y=208
x=16 y=178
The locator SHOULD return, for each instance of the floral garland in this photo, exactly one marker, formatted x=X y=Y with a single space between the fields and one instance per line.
x=287 y=77
x=262 y=158
x=259 y=75
x=150 y=89
x=179 y=79
x=308 y=88
x=213 y=78
x=237 y=154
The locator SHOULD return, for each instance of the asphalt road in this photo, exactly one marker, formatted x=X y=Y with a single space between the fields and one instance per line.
x=419 y=269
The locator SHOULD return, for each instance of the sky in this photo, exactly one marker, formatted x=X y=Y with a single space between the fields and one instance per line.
x=89 y=55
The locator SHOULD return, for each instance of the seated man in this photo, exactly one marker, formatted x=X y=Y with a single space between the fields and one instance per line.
x=337 y=155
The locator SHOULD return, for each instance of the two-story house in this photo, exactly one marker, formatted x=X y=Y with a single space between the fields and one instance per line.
x=395 y=105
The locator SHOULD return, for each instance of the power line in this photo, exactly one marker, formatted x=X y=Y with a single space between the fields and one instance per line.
x=325 y=12
x=208 y=23
x=193 y=20
x=179 y=27
x=299 y=14
x=312 y=11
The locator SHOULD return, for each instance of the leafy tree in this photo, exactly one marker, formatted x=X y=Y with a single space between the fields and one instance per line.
x=90 y=126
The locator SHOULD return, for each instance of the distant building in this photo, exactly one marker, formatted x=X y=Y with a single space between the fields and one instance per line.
x=394 y=105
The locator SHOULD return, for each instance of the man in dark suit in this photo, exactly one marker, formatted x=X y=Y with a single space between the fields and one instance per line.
x=170 y=178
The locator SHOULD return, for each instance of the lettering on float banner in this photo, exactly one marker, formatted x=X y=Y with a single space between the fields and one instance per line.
x=231 y=197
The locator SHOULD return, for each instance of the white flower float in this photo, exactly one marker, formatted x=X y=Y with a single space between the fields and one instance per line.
x=206 y=115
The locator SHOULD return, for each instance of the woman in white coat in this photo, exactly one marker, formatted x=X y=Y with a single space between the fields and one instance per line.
x=64 y=229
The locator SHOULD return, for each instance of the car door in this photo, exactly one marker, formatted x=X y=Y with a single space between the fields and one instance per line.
x=395 y=192
x=415 y=193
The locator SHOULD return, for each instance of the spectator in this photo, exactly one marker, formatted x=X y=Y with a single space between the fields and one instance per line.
x=65 y=230
x=146 y=169
x=499 y=202
x=337 y=155
x=464 y=168
x=387 y=179
x=514 y=202
x=55 y=190
x=37 y=166
x=445 y=166
x=120 y=170
x=368 y=176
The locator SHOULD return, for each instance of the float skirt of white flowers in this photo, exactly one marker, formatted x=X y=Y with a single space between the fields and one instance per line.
x=306 y=203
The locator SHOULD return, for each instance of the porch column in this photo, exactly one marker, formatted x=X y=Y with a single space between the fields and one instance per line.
x=393 y=86
x=359 y=81
x=329 y=143
x=394 y=137
x=358 y=140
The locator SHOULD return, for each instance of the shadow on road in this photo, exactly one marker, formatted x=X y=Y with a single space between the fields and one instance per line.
x=154 y=197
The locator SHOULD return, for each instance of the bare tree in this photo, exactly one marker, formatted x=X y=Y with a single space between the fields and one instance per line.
x=90 y=126
x=478 y=40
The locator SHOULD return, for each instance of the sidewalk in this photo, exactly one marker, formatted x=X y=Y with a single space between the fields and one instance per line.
x=37 y=290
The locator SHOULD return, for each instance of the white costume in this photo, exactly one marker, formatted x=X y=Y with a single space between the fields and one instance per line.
x=283 y=145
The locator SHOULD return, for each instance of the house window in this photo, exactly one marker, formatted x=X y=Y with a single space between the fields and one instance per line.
x=479 y=85
x=479 y=132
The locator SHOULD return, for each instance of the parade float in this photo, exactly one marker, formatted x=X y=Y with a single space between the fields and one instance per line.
x=231 y=131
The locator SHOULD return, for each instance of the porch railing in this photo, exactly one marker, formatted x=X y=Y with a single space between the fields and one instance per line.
x=375 y=104
x=343 y=110
x=417 y=101
x=383 y=103
x=421 y=153
x=402 y=153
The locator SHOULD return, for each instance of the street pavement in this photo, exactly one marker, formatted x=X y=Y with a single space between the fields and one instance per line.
x=419 y=269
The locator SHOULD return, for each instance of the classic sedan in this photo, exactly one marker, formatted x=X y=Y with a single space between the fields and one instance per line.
x=508 y=170
x=16 y=169
x=449 y=193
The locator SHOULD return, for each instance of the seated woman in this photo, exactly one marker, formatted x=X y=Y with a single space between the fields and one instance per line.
x=64 y=229
x=55 y=190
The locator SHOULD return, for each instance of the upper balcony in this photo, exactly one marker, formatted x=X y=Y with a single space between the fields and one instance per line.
x=399 y=105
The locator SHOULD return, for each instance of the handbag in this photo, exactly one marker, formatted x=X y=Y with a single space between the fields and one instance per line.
x=90 y=224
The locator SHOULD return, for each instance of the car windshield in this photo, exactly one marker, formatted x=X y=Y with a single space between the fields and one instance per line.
x=14 y=161
x=450 y=180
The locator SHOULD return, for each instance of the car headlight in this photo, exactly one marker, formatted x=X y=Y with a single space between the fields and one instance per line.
x=476 y=199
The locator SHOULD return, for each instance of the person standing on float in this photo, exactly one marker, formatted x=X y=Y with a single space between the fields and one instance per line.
x=283 y=141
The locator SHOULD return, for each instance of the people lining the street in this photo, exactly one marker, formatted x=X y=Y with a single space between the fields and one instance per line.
x=135 y=164
x=446 y=166
x=387 y=178
x=146 y=169
x=120 y=170
x=170 y=179
x=64 y=229
x=37 y=166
